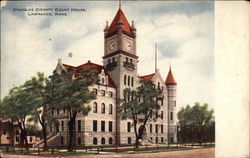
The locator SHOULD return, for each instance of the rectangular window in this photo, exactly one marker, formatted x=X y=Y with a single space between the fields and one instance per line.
x=95 y=91
x=110 y=94
x=156 y=114
x=129 y=126
x=161 y=101
x=31 y=139
x=129 y=140
x=132 y=81
x=17 y=139
x=162 y=129
x=171 y=115
x=175 y=103
x=151 y=128
x=95 y=125
x=79 y=125
x=131 y=61
x=109 y=61
x=126 y=60
x=103 y=92
x=103 y=126
x=58 y=111
x=113 y=59
x=156 y=128
x=62 y=126
x=162 y=140
x=128 y=80
x=125 y=79
x=52 y=112
x=161 y=114
x=156 y=140
x=110 y=126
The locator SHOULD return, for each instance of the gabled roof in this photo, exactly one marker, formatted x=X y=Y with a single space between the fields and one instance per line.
x=120 y=17
x=170 y=78
x=147 y=77
x=89 y=66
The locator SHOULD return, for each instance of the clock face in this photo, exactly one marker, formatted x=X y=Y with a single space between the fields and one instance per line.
x=112 y=46
x=128 y=46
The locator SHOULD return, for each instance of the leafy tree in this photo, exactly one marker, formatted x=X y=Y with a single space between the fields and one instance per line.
x=196 y=123
x=139 y=104
x=41 y=89
x=71 y=92
x=17 y=105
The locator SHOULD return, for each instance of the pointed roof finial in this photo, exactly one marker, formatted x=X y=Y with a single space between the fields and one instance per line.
x=170 y=78
x=120 y=4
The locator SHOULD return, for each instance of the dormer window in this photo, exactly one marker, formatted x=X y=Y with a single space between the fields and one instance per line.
x=113 y=60
x=126 y=60
x=103 y=81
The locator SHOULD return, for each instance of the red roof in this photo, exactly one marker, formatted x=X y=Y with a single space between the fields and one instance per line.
x=147 y=77
x=170 y=78
x=119 y=17
x=90 y=66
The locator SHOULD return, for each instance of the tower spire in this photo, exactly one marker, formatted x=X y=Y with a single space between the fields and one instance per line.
x=120 y=4
x=155 y=57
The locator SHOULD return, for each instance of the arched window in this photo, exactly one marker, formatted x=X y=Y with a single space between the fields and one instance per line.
x=110 y=140
x=79 y=142
x=103 y=108
x=110 y=109
x=95 y=140
x=103 y=140
x=94 y=107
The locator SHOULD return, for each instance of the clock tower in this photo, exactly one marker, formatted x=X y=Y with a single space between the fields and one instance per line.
x=120 y=61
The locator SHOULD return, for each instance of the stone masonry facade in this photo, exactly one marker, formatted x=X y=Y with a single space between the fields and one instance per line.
x=103 y=124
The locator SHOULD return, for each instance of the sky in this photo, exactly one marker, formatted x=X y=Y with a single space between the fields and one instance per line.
x=184 y=32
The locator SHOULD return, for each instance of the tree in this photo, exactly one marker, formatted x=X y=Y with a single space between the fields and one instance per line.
x=196 y=123
x=139 y=104
x=42 y=90
x=71 y=92
x=17 y=105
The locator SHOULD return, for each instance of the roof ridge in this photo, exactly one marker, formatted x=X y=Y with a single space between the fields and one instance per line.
x=147 y=75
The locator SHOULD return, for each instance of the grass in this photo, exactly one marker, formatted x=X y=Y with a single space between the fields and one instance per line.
x=65 y=153
x=144 y=149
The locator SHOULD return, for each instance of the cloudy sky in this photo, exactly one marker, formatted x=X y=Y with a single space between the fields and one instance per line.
x=184 y=32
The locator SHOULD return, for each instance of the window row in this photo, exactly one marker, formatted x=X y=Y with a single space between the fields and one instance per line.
x=158 y=86
x=103 y=126
x=129 y=80
x=60 y=126
x=129 y=60
x=157 y=128
x=103 y=93
x=103 y=108
x=157 y=115
x=103 y=141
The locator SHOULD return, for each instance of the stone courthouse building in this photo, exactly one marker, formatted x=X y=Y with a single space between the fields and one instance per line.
x=103 y=124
